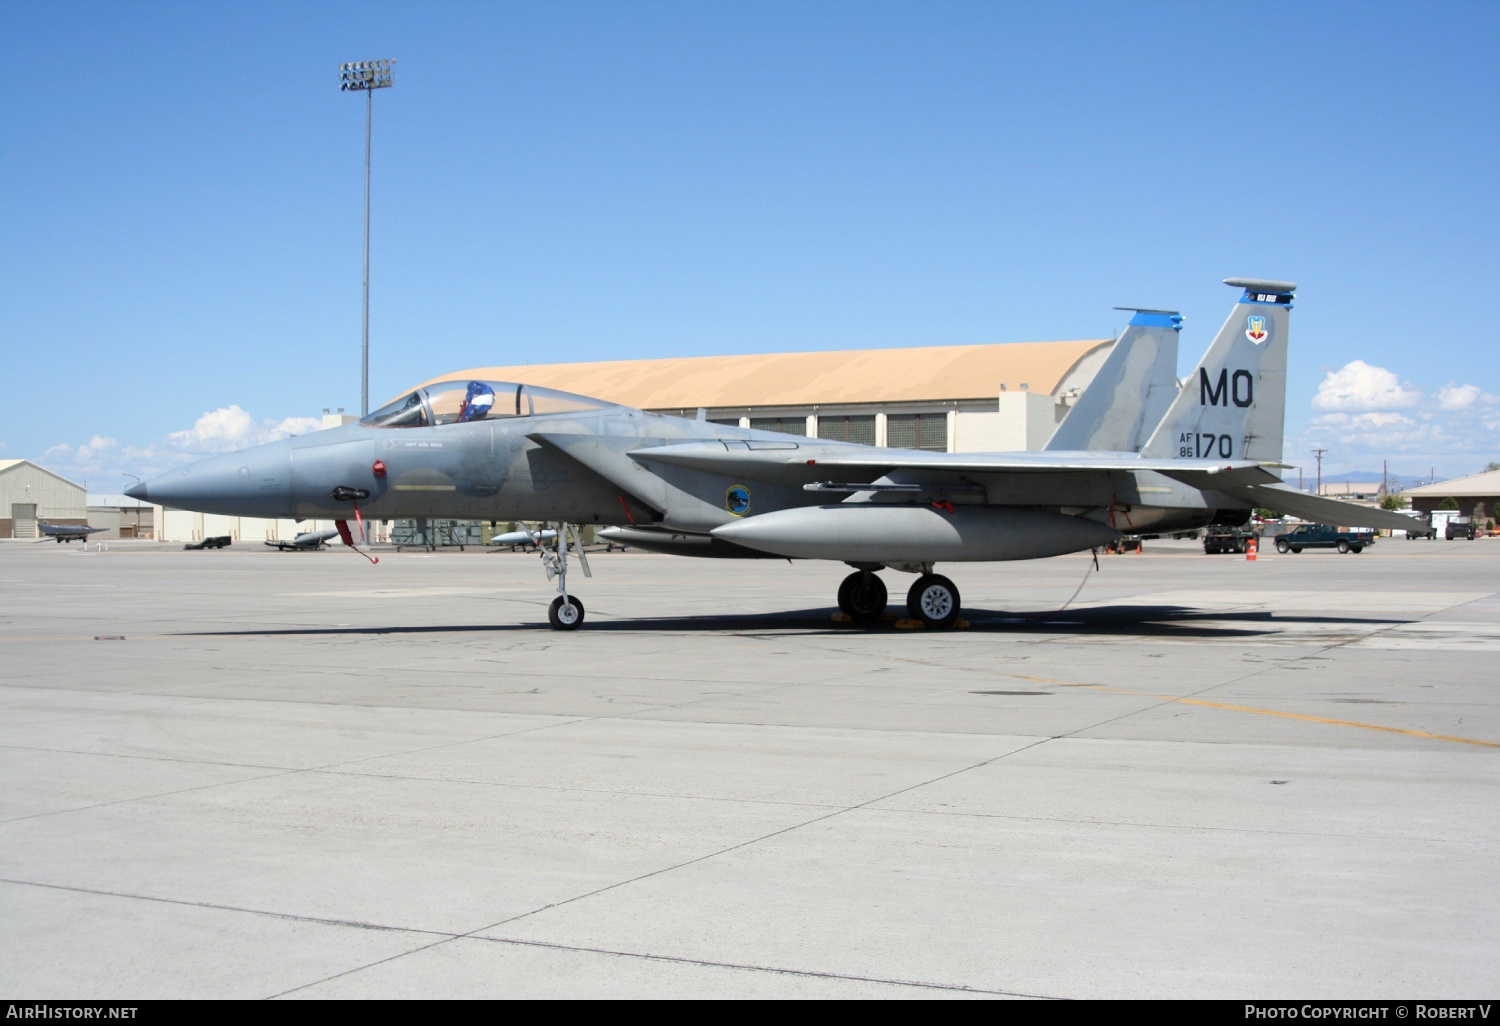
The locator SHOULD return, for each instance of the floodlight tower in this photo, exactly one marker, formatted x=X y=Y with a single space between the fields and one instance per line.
x=366 y=77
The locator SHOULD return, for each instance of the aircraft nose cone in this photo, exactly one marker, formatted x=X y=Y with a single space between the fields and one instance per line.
x=137 y=491
x=251 y=483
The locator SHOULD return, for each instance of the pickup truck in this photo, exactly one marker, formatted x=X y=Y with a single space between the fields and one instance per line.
x=1321 y=536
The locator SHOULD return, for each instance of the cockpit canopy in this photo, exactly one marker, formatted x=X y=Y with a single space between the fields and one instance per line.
x=464 y=400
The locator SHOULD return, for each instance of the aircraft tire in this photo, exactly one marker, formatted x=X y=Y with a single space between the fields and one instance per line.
x=933 y=600
x=863 y=597
x=565 y=619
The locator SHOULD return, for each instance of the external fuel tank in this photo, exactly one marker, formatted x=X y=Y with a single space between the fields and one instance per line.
x=876 y=533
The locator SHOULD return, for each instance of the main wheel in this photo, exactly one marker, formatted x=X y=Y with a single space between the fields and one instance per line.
x=1343 y=547
x=565 y=615
x=933 y=600
x=862 y=597
x=1283 y=548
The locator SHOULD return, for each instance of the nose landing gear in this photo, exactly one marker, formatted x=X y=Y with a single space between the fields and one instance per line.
x=566 y=611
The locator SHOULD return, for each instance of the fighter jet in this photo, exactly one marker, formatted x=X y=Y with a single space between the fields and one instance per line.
x=306 y=540
x=492 y=450
x=66 y=532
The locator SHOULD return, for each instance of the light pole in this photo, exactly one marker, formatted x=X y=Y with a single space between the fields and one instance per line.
x=1320 y=453
x=366 y=77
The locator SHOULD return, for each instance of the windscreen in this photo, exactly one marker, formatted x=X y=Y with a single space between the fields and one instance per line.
x=408 y=411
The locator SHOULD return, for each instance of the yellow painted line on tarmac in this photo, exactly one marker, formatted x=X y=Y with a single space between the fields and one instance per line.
x=1265 y=712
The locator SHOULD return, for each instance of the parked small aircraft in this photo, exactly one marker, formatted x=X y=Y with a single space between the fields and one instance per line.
x=307 y=540
x=492 y=450
x=66 y=532
x=536 y=539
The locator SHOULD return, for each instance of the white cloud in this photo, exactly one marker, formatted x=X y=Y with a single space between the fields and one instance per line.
x=86 y=455
x=1359 y=386
x=229 y=428
x=1458 y=397
x=296 y=426
x=1373 y=417
x=226 y=429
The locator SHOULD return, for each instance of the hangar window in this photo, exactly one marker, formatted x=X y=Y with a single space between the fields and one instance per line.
x=848 y=429
x=917 y=431
x=785 y=425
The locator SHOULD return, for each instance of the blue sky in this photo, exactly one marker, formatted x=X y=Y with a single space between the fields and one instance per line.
x=182 y=185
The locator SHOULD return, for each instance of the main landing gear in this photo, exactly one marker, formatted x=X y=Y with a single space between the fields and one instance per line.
x=566 y=611
x=933 y=599
x=862 y=597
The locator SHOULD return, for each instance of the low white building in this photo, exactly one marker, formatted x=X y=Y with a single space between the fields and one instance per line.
x=120 y=516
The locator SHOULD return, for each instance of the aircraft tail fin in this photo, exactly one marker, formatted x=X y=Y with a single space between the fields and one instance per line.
x=1234 y=404
x=1130 y=393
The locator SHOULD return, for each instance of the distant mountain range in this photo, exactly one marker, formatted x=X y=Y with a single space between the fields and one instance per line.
x=1398 y=481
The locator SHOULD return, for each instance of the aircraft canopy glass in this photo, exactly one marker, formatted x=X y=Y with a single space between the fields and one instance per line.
x=462 y=401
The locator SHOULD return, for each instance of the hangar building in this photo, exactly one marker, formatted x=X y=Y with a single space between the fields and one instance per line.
x=978 y=398
x=29 y=493
x=1468 y=492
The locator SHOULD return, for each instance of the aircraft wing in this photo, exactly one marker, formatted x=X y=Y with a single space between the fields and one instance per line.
x=792 y=463
x=789 y=462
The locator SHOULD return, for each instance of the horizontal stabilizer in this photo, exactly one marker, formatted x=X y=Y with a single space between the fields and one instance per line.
x=1284 y=499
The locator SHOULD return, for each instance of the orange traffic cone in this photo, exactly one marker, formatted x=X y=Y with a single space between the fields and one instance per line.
x=1250 y=547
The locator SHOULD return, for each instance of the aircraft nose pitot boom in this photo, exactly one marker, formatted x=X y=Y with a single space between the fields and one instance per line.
x=254 y=482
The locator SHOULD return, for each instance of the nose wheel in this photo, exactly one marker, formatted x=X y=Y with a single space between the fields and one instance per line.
x=862 y=597
x=933 y=600
x=565 y=613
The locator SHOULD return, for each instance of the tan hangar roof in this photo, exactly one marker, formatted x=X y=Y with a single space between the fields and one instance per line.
x=1487 y=483
x=930 y=373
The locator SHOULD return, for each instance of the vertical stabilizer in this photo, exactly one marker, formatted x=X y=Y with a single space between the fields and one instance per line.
x=1131 y=392
x=1234 y=403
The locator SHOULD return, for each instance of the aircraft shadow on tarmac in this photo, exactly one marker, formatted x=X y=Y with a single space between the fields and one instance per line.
x=1155 y=621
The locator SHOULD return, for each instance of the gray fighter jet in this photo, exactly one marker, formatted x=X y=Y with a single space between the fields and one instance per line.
x=491 y=450
x=66 y=532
